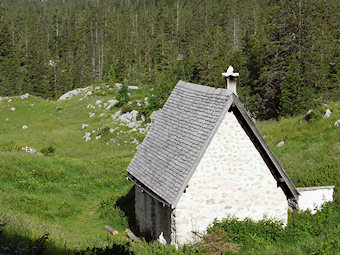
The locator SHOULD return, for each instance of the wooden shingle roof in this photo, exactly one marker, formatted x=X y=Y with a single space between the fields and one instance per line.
x=173 y=147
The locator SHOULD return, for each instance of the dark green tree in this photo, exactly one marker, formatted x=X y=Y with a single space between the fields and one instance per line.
x=293 y=95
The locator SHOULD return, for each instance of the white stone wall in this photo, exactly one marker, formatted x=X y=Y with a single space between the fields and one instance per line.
x=152 y=217
x=231 y=180
x=312 y=198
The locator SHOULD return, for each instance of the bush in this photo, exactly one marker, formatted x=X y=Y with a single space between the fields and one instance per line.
x=122 y=96
x=48 y=150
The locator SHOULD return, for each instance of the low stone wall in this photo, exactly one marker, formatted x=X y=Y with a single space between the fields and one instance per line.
x=312 y=198
x=231 y=180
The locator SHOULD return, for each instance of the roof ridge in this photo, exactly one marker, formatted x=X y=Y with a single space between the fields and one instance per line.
x=202 y=88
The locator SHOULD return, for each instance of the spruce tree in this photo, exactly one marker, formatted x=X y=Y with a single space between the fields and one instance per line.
x=293 y=95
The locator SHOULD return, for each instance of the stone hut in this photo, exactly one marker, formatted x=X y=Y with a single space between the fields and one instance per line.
x=204 y=159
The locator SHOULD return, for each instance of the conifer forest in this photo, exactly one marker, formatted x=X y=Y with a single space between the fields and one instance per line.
x=286 y=51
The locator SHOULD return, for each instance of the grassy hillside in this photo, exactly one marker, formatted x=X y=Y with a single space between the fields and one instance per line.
x=71 y=189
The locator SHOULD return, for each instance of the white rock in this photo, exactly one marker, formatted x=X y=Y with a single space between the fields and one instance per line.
x=111 y=103
x=132 y=87
x=83 y=126
x=29 y=150
x=90 y=106
x=146 y=102
x=24 y=127
x=72 y=93
x=92 y=114
x=88 y=93
x=280 y=144
x=9 y=100
x=327 y=114
x=117 y=114
x=337 y=123
x=12 y=109
x=87 y=136
x=118 y=85
x=129 y=118
x=98 y=102
x=98 y=137
x=24 y=96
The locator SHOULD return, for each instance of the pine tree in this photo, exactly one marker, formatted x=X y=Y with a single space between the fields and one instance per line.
x=293 y=95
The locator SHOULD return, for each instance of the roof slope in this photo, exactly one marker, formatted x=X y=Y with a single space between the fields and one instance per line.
x=166 y=159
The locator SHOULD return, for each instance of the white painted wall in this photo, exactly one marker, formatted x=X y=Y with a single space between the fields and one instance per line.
x=231 y=180
x=313 y=198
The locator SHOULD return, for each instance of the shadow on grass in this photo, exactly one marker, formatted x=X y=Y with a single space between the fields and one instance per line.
x=126 y=204
x=15 y=244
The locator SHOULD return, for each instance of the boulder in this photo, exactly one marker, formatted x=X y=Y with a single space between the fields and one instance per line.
x=24 y=96
x=72 y=93
x=337 y=123
x=30 y=150
x=111 y=103
x=87 y=136
x=118 y=85
x=130 y=118
x=280 y=144
x=327 y=114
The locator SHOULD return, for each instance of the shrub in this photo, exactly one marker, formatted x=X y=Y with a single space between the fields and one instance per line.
x=48 y=150
x=122 y=96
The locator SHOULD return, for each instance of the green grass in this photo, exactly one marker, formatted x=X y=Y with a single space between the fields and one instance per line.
x=77 y=189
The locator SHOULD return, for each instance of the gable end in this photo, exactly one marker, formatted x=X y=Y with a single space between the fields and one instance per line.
x=268 y=156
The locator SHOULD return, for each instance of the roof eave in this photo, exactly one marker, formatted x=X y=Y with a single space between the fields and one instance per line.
x=146 y=189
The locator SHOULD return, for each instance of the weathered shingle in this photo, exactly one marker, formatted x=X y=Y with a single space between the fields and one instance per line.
x=176 y=139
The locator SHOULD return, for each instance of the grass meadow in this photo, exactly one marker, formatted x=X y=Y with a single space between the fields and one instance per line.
x=58 y=201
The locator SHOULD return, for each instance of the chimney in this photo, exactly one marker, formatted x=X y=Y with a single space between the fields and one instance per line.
x=230 y=78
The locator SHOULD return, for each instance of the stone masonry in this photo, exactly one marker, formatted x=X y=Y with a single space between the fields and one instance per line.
x=231 y=180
